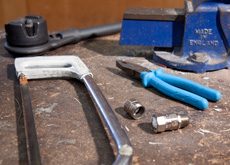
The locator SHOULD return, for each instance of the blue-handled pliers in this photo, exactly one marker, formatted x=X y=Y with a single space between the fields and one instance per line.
x=177 y=87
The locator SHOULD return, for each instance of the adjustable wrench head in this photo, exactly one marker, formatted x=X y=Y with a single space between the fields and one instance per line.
x=51 y=67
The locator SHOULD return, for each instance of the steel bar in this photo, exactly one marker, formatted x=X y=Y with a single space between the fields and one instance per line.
x=30 y=131
x=106 y=113
x=100 y=31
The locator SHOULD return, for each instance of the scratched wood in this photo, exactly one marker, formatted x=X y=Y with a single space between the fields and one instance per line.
x=69 y=128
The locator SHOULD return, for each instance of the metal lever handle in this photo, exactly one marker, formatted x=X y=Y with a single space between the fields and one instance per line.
x=37 y=41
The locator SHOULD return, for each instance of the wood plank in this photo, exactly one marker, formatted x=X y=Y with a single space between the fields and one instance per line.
x=65 y=14
x=11 y=9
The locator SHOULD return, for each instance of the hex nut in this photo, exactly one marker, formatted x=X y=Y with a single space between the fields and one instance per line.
x=159 y=123
x=134 y=108
x=199 y=57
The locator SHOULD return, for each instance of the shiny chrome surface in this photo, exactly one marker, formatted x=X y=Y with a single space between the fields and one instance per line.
x=123 y=144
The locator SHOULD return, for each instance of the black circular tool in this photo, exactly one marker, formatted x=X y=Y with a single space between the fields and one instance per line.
x=29 y=35
x=28 y=31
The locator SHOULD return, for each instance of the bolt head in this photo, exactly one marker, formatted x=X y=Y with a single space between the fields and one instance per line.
x=159 y=123
x=199 y=57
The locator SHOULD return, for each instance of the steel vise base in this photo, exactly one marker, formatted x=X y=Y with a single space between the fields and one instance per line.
x=198 y=35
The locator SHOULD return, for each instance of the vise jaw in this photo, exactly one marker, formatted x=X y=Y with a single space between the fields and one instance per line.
x=196 y=38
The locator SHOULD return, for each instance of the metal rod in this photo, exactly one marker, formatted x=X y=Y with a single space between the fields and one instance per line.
x=30 y=131
x=100 y=31
x=123 y=144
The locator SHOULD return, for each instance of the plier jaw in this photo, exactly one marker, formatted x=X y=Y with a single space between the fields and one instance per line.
x=131 y=69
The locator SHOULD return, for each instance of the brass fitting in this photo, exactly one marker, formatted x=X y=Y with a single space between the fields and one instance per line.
x=170 y=122
x=134 y=108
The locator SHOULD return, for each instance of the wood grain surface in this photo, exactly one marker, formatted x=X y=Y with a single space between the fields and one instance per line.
x=71 y=132
x=66 y=14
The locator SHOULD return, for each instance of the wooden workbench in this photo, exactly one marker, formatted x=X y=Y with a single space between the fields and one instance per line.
x=71 y=132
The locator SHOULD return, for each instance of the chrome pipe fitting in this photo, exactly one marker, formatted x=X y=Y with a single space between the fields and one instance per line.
x=170 y=122
x=134 y=108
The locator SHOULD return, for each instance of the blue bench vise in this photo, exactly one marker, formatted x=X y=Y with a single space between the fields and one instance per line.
x=196 y=38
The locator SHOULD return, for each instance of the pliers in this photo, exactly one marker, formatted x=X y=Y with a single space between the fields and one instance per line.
x=176 y=87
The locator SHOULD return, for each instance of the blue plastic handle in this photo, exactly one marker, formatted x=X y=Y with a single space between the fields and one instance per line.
x=188 y=85
x=149 y=79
